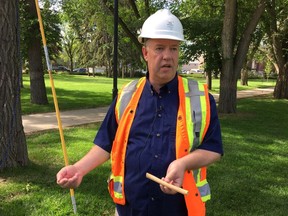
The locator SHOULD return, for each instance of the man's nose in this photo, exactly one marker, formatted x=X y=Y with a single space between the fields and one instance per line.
x=167 y=54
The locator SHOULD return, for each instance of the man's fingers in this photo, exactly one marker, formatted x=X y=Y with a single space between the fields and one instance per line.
x=168 y=185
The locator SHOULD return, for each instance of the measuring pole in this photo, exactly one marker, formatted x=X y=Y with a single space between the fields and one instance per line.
x=115 y=56
x=55 y=100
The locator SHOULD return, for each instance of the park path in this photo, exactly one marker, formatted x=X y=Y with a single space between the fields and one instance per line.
x=47 y=121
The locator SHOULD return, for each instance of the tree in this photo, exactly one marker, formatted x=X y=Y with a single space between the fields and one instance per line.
x=94 y=28
x=70 y=46
x=234 y=51
x=31 y=46
x=252 y=55
x=13 y=148
x=277 y=33
x=38 y=93
x=93 y=31
x=201 y=23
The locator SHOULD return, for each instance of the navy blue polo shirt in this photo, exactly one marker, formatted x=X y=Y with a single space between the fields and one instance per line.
x=151 y=148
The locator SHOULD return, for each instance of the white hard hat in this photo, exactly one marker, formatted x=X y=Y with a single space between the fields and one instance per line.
x=162 y=25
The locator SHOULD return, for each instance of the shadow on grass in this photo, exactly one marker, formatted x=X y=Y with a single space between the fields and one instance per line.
x=250 y=179
x=73 y=92
x=68 y=100
x=32 y=190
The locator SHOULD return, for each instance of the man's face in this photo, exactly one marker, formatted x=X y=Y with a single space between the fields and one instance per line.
x=162 y=58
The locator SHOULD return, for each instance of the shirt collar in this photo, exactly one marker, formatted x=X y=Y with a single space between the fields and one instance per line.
x=170 y=87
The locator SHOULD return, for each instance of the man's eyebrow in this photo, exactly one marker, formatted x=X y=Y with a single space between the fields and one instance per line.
x=173 y=45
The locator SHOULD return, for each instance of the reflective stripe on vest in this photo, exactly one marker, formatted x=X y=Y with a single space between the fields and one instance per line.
x=195 y=100
x=116 y=185
x=193 y=109
x=192 y=122
x=125 y=96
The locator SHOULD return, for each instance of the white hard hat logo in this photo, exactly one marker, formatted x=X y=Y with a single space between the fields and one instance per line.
x=170 y=25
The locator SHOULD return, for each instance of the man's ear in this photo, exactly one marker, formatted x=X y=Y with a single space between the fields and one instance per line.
x=144 y=53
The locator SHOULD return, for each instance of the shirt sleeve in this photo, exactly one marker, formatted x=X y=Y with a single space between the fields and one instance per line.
x=213 y=139
x=106 y=133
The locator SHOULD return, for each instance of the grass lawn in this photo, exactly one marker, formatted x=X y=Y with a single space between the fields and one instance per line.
x=79 y=91
x=250 y=180
x=32 y=190
x=73 y=92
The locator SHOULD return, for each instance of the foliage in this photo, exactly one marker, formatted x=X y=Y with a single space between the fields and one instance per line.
x=202 y=22
x=276 y=43
x=70 y=44
x=28 y=23
x=94 y=27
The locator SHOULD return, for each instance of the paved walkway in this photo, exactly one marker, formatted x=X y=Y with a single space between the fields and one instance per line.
x=47 y=121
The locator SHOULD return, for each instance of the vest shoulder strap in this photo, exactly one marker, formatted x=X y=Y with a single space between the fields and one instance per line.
x=125 y=95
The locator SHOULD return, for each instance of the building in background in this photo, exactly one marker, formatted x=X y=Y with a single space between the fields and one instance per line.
x=195 y=66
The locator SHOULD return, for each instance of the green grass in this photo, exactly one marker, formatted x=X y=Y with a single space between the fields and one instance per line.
x=32 y=190
x=250 y=180
x=78 y=92
x=73 y=92
x=252 y=83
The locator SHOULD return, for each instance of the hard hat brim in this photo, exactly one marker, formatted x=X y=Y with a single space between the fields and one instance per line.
x=142 y=38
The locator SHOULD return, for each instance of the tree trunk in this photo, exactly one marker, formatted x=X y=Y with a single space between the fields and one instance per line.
x=209 y=79
x=71 y=63
x=13 y=148
x=228 y=90
x=37 y=83
x=244 y=77
x=227 y=97
x=232 y=65
x=281 y=87
x=279 y=49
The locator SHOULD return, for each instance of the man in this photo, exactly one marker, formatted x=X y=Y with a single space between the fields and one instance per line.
x=161 y=124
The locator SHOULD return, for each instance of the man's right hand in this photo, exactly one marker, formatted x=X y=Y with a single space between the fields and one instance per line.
x=69 y=177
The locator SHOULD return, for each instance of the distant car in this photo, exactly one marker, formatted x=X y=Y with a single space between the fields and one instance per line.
x=196 y=71
x=80 y=71
x=60 y=68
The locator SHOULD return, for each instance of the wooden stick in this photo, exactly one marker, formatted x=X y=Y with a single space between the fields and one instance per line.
x=170 y=186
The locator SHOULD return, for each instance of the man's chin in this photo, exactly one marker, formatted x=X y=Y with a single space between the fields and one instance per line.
x=167 y=74
x=166 y=70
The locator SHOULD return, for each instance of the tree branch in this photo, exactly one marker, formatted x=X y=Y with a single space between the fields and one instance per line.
x=134 y=7
x=124 y=27
x=245 y=40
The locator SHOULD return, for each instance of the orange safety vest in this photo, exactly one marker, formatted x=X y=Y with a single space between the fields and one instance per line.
x=193 y=120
